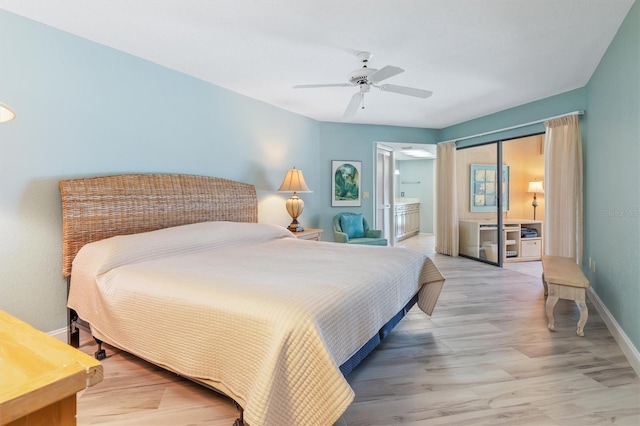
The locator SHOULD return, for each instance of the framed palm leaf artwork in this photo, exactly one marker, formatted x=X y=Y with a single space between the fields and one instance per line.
x=346 y=180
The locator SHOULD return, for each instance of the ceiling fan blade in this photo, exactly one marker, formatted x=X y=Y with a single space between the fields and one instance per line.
x=403 y=90
x=314 y=86
x=384 y=73
x=354 y=104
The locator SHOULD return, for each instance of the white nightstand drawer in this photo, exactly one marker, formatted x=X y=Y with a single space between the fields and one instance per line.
x=309 y=234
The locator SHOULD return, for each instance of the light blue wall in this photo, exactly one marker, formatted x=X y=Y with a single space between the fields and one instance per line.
x=574 y=100
x=84 y=109
x=339 y=141
x=612 y=176
x=417 y=180
x=611 y=145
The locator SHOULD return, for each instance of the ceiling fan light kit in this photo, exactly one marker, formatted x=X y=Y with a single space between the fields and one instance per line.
x=364 y=78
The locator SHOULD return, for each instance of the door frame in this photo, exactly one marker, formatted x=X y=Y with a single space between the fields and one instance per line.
x=391 y=187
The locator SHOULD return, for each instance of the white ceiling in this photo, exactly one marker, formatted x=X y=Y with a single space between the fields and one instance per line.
x=477 y=56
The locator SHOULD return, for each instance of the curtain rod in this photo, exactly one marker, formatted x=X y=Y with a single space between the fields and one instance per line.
x=518 y=126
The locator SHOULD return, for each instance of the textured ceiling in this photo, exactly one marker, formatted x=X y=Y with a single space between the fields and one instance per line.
x=477 y=56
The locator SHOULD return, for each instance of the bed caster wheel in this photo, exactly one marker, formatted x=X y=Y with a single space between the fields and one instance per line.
x=100 y=355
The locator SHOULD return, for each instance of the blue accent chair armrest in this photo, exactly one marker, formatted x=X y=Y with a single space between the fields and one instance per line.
x=340 y=237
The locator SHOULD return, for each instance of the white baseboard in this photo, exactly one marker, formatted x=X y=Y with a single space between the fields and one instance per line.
x=629 y=350
x=60 y=334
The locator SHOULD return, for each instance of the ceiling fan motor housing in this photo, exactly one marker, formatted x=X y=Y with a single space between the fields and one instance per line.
x=361 y=75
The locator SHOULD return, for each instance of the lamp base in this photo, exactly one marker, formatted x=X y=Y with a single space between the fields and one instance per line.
x=294 y=207
x=294 y=226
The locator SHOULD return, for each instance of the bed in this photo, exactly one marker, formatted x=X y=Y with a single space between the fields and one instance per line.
x=176 y=269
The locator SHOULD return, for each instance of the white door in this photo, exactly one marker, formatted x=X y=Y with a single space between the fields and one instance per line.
x=384 y=193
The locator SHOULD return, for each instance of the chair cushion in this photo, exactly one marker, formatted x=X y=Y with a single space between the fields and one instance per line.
x=352 y=225
x=369 y=241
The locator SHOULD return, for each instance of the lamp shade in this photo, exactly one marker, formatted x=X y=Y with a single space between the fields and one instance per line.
x=294 y=182
x=536 y=187
x=6 y=113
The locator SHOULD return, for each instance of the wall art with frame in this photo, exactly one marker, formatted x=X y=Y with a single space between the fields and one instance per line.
x=484 y=187
x=346 y=181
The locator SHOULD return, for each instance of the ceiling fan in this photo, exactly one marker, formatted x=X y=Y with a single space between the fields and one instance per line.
x=364 y=78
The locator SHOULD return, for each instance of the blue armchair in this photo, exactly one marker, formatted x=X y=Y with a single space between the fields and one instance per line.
x=352 y=228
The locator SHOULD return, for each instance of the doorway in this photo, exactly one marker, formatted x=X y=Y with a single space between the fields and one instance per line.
x=384 y=201
x=405 y=189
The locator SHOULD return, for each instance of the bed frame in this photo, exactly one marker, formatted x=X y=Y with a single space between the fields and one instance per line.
x=101 y=207
x=105 y=206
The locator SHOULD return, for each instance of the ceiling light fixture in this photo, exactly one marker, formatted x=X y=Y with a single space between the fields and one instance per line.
x=417 y=153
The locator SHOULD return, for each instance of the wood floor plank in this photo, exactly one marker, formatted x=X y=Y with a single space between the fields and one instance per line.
x=486 y=357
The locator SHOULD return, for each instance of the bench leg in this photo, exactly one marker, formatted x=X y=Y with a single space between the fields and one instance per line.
x=544 y=284
x=552 y=299
x=584 y=312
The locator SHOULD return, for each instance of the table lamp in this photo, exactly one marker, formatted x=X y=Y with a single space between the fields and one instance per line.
x=536 y=188
x=294 y=182
x=6 y=114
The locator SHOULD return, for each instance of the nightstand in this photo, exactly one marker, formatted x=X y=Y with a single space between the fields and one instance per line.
x=309 y=234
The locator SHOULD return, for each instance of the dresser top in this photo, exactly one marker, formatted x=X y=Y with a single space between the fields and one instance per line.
x=38 y=369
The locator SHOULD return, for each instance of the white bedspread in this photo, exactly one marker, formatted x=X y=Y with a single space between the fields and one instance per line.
x=248 y=309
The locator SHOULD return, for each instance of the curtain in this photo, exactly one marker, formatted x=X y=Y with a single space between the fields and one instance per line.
x=446 y=200
x=563 y=188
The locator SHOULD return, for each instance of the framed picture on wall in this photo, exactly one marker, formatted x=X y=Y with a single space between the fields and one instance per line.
x=484 y=187
x=346 y=181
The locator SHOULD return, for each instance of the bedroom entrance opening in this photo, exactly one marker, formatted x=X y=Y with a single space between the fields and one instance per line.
x=384 y=198
x=404 y=190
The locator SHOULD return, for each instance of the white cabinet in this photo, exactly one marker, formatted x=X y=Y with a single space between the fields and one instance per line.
x=407 y=217
x=521 y=239
x=511 y=241
x=531 y=247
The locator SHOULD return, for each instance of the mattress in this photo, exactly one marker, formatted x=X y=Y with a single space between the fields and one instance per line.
x=249 y=309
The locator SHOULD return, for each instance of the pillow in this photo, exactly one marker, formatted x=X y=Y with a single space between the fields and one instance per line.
x=104 y=255
x=352 y=225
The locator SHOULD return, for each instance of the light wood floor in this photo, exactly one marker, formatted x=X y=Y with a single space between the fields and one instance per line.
x=484 y=358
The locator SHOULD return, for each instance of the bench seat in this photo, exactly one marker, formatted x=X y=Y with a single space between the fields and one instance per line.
x=563 y=279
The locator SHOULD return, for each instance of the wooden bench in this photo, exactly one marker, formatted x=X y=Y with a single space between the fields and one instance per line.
x=563 y=279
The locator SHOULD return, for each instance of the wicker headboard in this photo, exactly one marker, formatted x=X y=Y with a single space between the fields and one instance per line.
x=102 y=207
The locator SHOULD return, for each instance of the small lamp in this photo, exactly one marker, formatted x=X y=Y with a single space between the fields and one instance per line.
x=536 y=188
x=294 y=182
x=6 y=113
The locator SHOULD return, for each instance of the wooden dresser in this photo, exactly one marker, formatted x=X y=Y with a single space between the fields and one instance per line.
x=40 y=376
